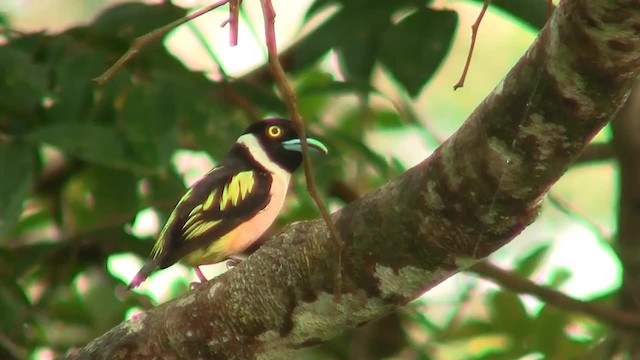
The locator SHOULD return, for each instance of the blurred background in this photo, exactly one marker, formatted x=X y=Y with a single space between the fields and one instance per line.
x=90 y=173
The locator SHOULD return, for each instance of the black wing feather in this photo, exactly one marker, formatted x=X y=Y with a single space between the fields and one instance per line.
x=174 y=242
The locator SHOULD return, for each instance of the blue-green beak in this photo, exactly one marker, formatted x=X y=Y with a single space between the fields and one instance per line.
x=295 y=145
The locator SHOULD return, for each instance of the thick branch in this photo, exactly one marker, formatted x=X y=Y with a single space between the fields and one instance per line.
x=473 y=195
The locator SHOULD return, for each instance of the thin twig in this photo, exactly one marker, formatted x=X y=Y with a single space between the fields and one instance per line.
x=507 y=279
x=596 y=152
x=474 y=34
x=148 y=38
x=518 y=284
x=550 y=9
x=571 y=211
x=234 y=9
x=12 y=348
x=291 y=102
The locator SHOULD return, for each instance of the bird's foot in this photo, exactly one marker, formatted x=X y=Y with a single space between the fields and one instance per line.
x=234 y=260
x=201 y=277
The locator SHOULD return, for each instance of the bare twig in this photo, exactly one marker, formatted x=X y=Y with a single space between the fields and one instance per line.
x=570 y=210
x=148 y=38
x=474 y=34
x=234 y=9
x=291 y=102
x=14 y=349
x=620 y=319
x=596 y=152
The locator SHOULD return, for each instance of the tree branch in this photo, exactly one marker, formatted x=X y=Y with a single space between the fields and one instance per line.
x=596 y=152
x=292 y=106
x=147 y=39
x=621 y=319
x=625 y=128
x=479 y=190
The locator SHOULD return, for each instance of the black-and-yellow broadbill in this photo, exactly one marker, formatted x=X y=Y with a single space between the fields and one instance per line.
x=231 y=206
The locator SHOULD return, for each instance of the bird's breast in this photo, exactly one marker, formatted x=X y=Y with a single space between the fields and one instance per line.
x=250 y=231
x=240 y=238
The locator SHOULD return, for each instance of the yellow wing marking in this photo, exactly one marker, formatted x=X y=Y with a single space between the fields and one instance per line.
x=195 y=211
x=207 y=203
x=198 y=228
x=224 y=199
x=158 y=247
x=237 y=189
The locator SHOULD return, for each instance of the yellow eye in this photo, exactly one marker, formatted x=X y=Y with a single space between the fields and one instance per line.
x=274 y=131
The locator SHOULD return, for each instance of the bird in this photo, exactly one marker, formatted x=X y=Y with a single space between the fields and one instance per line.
x=230 y=207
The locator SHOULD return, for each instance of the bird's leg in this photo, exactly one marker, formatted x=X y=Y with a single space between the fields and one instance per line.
x=200 y=276
x=234 y=260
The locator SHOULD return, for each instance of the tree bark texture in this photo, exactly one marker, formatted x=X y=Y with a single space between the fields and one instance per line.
x=479 y=190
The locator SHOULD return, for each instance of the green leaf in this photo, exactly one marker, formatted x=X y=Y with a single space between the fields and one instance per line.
x=16 y=167
x=386 y=119
x=207 y=124
x=313 y=46
x=346 y=144
x=148 y=119
x=508 y=315
x=358 y=37
x=16 y=261
x=4 y=20
x=23 y=87
x=549 y=329
x=354 y=31
x=15 y=310
x=97 y=196
x=559 y=276
x=100 y=299
x=258 y=96
x=528 y=264
x=67 y=305
x=164 y=190
x=415 y=47
x=99 y=144
x=131 y=20
x=550 y=337
x=467 y=329
x=75 y=98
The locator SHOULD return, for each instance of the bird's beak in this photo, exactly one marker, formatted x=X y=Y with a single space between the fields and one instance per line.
x=295 y=145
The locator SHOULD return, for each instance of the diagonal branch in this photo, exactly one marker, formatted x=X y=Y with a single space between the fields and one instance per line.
x=596 y=152
x=420 y=228
x=621 y=319
x=147 y=39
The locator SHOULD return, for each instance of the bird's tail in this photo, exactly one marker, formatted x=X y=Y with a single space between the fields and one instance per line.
x=143 y=273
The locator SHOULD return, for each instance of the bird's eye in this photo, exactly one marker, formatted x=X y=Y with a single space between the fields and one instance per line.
x=274 y=131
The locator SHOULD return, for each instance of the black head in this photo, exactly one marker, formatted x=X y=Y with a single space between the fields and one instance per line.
x=278 y=140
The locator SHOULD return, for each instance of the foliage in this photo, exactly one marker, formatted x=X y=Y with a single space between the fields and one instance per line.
x=80 y=162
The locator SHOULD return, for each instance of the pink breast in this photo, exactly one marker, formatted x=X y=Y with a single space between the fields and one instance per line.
x=248 y=232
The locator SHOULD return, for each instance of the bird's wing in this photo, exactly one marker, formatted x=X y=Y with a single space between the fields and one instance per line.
x=219 y=202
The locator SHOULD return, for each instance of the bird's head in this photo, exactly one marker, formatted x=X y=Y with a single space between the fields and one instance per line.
x=277 y=140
